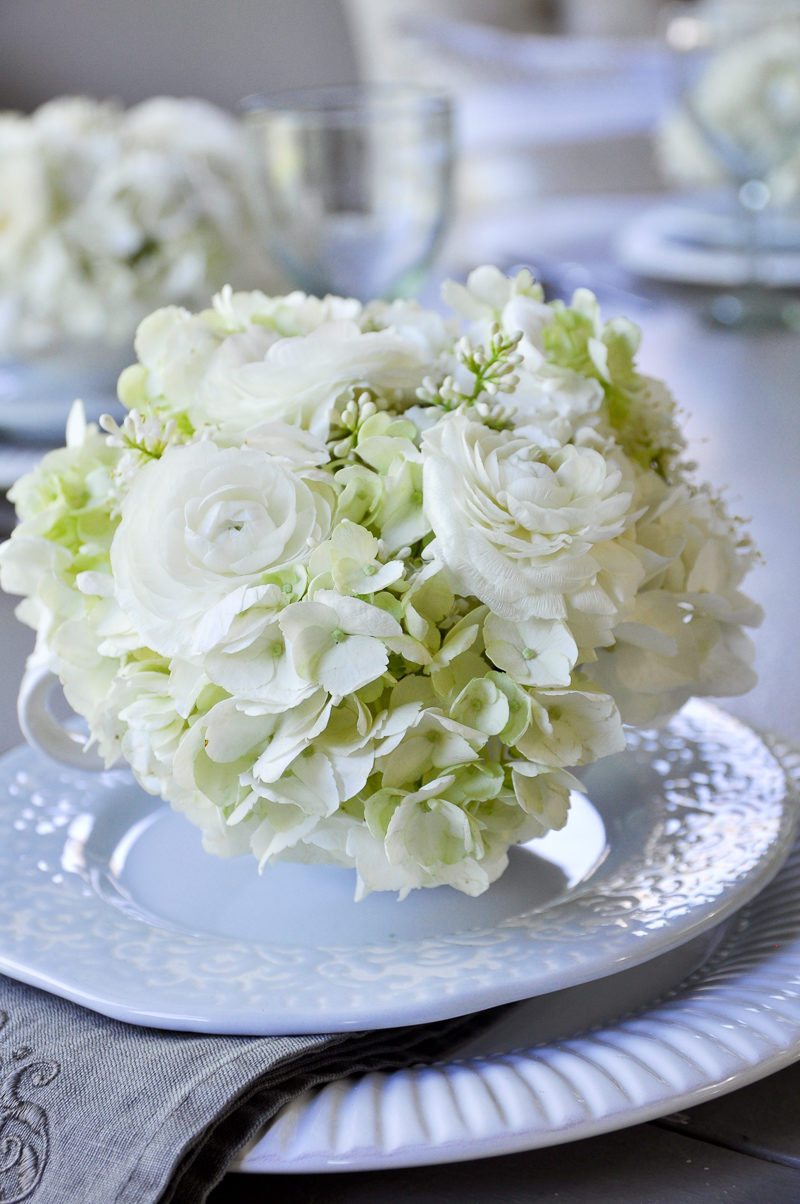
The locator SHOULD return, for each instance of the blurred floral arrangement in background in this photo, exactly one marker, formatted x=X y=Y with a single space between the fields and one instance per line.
x=742 y=116
x=106 y=213
x=361 y=584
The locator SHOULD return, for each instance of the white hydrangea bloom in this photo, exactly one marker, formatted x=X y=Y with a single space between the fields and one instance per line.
x=339 y=642
x=336 y=602
x=684 y=636
x=106 y=213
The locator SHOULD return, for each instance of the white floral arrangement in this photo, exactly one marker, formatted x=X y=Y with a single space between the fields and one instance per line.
x=746 y=105
x=349 y=585
x=106 y=214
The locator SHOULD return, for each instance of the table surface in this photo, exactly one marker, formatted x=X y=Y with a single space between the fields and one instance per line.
x=742 y=396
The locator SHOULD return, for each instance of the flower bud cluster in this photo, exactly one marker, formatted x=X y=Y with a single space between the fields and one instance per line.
x=489 y=369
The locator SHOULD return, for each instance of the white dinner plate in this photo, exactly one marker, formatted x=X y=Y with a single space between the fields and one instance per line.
x=107 y=898
x=695 y=245
x=572 y=1065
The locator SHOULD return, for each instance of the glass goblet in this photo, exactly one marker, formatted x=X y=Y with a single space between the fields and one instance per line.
x=352 y=184
x=738 y=66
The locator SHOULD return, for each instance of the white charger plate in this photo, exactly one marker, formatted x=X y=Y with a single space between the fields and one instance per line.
x=107 y=898
x=561 y=1068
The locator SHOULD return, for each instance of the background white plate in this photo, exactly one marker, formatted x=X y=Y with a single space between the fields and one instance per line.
x=696 y=246
x=36 y=394
x=107 y=898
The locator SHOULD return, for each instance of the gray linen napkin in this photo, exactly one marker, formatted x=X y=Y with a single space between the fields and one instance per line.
x=94 y=1111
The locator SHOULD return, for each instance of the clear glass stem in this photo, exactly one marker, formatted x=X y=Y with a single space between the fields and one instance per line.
x=754 y=196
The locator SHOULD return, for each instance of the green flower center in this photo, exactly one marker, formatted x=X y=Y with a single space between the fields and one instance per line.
x=337 y=635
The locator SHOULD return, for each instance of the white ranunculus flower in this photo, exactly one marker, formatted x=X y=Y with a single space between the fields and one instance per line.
x=299 y=379
x=515 y=524
x=200 y=528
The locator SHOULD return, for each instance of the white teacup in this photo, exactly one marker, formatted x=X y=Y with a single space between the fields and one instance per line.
x=43 y=731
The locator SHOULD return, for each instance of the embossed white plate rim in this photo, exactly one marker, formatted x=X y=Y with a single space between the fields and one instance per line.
x=210 y=984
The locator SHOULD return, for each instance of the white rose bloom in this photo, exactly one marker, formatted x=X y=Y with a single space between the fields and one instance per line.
x=200 y=528
x=514 y=524
x=299 y=379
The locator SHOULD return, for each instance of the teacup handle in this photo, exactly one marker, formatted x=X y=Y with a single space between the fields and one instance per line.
x=43 y=731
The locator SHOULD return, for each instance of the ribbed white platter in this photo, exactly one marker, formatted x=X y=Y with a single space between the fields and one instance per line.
x=525 y=1083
